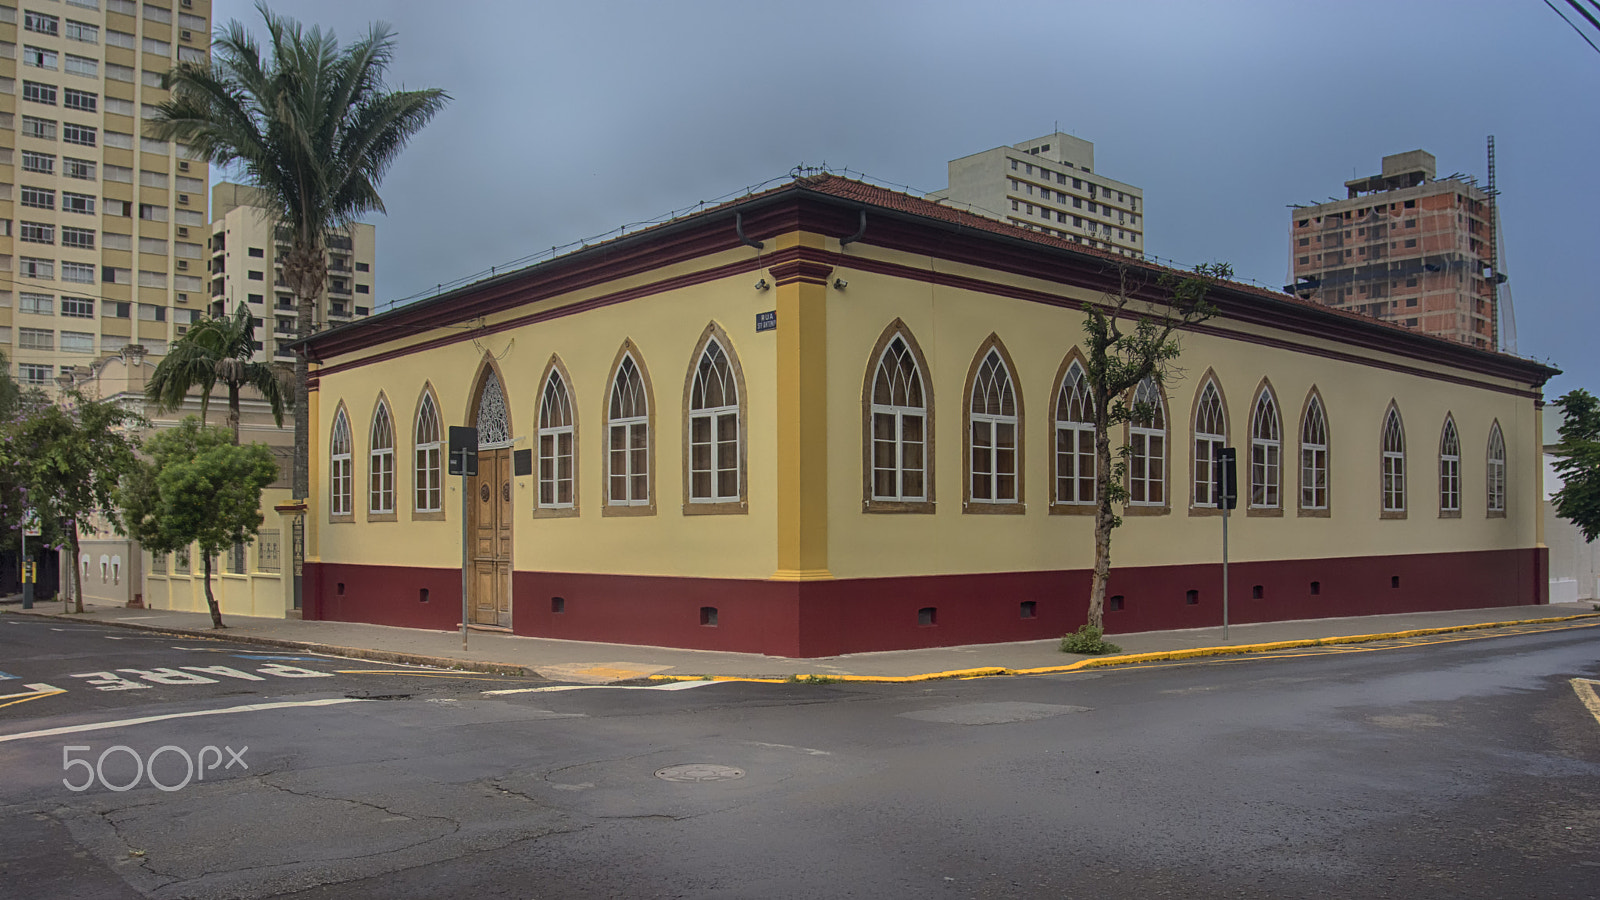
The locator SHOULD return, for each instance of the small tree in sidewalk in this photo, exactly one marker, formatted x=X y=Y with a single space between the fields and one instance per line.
x=197 y=487
x=1578 y=462
x=71 y=457
x=1118 y=361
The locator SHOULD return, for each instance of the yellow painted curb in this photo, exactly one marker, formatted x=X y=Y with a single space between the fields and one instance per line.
x=1098 y=662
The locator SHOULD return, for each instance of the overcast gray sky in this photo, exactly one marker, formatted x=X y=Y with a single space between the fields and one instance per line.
x=570 y=119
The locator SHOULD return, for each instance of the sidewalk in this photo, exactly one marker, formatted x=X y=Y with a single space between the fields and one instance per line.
x=576 y=661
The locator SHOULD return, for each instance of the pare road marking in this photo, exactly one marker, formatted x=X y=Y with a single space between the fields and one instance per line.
x=1586 y=690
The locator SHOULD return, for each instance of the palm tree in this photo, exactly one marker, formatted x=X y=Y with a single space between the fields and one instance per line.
x=313 y=126
x=218 y=349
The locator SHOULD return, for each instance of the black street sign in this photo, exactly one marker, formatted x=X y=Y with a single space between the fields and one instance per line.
x=1227 y=480
x=522 y=462
x=463 y=450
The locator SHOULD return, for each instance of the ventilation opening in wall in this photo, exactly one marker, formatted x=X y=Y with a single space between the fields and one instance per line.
x=1394 y=581
x=1257 y=592
x=708 y=616
x=928 y=615
x=1316 y=588
x=422 y=595
x=1114 y=603
x=558 y=604
x=1192 y=598
x=339 y=589
x=1030 y=609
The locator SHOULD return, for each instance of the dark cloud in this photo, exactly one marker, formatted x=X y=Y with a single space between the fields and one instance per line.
x=571 y=119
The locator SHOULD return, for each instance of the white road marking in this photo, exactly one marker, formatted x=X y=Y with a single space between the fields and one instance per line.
x=1586 y=690
x=669 y=686
x=34 y=689
x=806 y=750
x=123 y=723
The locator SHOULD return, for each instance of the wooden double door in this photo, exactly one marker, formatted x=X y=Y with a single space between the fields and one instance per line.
x=489 y=529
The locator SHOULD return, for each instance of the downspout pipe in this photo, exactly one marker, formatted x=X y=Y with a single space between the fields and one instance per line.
x=738 y=227
x=845 y=241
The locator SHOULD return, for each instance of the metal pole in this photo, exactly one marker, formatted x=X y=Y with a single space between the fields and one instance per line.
x=27 y=586
x=1224 y=570
x=464 y=558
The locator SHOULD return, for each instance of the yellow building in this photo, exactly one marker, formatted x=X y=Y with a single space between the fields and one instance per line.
x=102 y=230
x=831 y=418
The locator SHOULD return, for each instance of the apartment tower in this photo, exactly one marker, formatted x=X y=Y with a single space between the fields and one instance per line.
x=1049 y=185
x=102 y=230
x=247 y=249
x=1404 y=246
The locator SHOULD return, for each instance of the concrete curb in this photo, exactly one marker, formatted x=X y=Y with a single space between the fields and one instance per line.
x=389 y=656
x=1097 y=662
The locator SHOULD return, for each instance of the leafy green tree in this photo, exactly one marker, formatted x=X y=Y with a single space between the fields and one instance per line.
x=71 y=457
x=1117 y=362
x=218 y=349
x=314 y=127
x=1578 y=462
x=197 y=487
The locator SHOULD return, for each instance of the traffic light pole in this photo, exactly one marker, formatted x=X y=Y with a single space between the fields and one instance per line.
x=463 y=448
x=1226 y=493
x=22 y=563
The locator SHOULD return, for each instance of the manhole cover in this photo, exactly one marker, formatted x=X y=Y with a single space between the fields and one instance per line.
x=699 y=772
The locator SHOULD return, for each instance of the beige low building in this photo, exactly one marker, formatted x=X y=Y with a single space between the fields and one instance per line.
x=831 y=418
x=248 y=580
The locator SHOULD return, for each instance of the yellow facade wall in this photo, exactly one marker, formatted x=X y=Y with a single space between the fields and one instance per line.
x=951 y=323
x=665 y=328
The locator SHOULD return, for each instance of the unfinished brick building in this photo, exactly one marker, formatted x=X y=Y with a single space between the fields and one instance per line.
x=1403 y=246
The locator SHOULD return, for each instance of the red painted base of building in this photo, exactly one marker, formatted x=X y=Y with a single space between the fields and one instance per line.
x=827 y=618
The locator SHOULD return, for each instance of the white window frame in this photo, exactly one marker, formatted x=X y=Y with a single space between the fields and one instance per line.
x=986 y=430
x=1496 y=475
x=341 y=471
x=1314 y=457
x=1266 y=453
x=628 y=437
x=1147 y=456
x=1208 y=443
x=1449 y=467
x=707 y=452
x=1075 y=431
x=1394 y=463
x=556 y=436
x=428 y=438
x=380 y=458
x=896 y=416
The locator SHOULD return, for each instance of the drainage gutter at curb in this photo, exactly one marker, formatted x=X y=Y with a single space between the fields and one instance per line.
x=1098 y=662
x=373 y=655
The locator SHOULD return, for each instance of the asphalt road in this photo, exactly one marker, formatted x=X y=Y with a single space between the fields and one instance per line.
x=1461 y=769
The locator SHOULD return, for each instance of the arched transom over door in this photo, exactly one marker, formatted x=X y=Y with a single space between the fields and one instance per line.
x=489 y=503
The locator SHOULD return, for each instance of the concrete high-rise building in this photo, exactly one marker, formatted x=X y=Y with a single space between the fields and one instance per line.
x=1404 y=246
x=102 y=230
x=247 y=267
x=1049 y=184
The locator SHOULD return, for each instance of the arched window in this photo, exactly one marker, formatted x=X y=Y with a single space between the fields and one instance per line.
x=992 y=432
x=341 y=469
x=1497 y=471
x=899 y=426
x=1075 y=454
x=1147 y=438
x=1210 y=436
x=714 y=428
x=556 y=475
x=628 y=437
x=1394 y=463
x=1266 y=453
x=380 y=482
x=427 y=438
x=1314 y=457
x=1449 y=469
